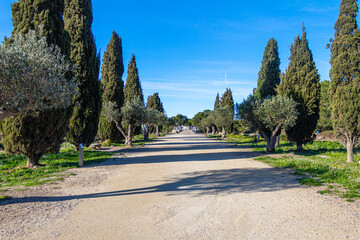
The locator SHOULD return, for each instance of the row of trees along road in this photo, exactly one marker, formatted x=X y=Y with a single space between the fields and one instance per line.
x=58 y=101
x=222 y=116
x=291 y=103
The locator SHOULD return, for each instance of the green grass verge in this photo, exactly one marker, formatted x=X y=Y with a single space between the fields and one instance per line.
x=321 y=163
x=13 y=171
x=138 y=140
x=316 y=171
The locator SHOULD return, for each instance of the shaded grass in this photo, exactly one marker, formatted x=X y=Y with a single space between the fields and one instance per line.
x=15 y=174
x=138 y=140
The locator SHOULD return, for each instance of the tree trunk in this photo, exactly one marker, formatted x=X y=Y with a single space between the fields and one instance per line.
x=270 y=142
x=166 y=131
x=223 y=133
x=256 y=137
x=146 y=136
x=128 y=140
x=33 y=161
x=157 y=131
x=213 y=130
x=350 y=152
x=299 y=147
x=207 y=130
x=277 y=141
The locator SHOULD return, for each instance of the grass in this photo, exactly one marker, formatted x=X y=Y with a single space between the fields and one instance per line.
x=138 y=140
x=15 y=174
x=321 y=163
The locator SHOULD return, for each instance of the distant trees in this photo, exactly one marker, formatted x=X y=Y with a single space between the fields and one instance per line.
x=223 y=117
x=154 y=102
x=83 y=125
x=217 y=102
x=112 y=86
x=33 y=76
x=301 y=83
x=197 y=120
x=345 y=79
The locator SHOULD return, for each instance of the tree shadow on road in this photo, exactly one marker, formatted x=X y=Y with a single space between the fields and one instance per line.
x=195 y=184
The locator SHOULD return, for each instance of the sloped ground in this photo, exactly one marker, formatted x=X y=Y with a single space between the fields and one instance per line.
x=188 y=187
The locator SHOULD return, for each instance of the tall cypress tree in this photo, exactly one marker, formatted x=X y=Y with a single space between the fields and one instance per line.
x=84 y=122
x=112 y=86
x=227 y=100
x=217 y=101
x=269 y=75
x=345 y=80
x=133 y=85
x=301 y=83
x=154 y=102
x=36 y=134
x=132 y=92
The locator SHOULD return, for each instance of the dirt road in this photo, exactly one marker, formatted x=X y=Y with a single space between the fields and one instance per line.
x=191 y=187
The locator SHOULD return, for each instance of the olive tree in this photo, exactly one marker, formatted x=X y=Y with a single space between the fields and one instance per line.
x=269 y=116
x=152 y=118
x=131 y=114
x=33 y=76
x=223 y=118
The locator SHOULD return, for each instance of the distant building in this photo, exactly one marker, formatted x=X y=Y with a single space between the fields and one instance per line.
x=186 y=128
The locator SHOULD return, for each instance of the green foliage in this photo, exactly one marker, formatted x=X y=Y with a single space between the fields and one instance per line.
x=33 y=76
x=106 y=143
x=84 y=122
x=227 y=100
x=112 y=86
x=154 y=102
x=198 y=118
x=180 y=120
x=223 y=117
x=217 y=102
x=269 y=75
x=301 y=83
x=269 y=116
x=33 y=135
x=325 y=122
x=345 y=79
x=32 y=14
x=133 y=86
x=276 y=113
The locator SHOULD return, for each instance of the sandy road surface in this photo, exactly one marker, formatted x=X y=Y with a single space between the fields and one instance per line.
x=191 y=187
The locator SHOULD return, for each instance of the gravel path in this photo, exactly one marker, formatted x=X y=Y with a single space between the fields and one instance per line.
x=179 y=187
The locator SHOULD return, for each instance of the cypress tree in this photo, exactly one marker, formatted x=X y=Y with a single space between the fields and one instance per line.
x=217 y=101
x=112 y=86
x=269 y=75
x=154 y=102
x=344 y=89
x=132 y=86
x=301 y=83
x=84 y=122
x=227 y=100
x=36 y=134
x=133 y=91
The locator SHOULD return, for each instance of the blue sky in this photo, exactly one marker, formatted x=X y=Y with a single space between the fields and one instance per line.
x=184 y=48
